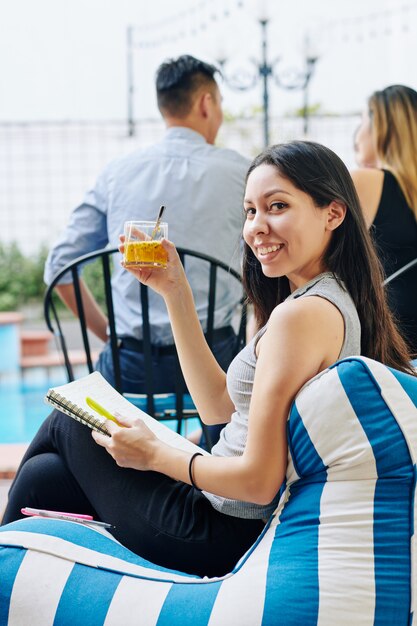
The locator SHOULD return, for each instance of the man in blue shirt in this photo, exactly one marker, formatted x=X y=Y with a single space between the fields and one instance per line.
x=202 y=188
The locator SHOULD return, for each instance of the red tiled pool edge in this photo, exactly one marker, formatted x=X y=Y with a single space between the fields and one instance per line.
x=10 y=457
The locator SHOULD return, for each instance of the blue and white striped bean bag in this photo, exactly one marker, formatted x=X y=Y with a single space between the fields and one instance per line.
x=338 y=551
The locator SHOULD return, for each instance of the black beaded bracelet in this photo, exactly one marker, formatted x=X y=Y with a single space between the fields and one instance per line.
x=190 y=470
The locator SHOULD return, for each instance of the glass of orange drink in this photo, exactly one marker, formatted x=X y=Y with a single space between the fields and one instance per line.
x=143 y=247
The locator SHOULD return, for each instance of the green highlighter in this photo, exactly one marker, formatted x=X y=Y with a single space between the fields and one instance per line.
x=101 y=410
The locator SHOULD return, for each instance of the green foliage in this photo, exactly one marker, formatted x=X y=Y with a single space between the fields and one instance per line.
x=247 y=113
x=313 y=109
x=93 y=276
x=21 y=277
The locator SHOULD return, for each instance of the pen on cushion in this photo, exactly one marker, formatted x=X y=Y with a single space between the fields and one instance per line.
x=96 y=523
x=68 y=517
x=45 y=513
x=86 y=522
x=101 y=410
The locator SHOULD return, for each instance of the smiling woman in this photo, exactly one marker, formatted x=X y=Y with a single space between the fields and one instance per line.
x=303 y=196
x=284 y=229
x=305 y=238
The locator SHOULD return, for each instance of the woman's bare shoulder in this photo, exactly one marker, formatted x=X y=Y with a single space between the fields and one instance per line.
x=307 y=318
x=303 y=310
x=366 y=176
x=368 y=183
x=308 y=331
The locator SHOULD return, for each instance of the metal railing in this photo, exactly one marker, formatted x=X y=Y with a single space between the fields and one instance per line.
x=46 y=168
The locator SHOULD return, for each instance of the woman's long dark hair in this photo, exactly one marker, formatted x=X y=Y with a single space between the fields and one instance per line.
x=320 y=173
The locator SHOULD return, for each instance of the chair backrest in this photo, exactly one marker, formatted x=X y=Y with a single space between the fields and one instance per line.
x=54 y=323
x=401 y=289
x=400 y=272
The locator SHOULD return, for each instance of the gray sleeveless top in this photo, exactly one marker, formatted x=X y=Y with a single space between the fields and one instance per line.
x=240 y=377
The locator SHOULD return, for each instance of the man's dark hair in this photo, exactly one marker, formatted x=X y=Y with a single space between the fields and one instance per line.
x=177 y=80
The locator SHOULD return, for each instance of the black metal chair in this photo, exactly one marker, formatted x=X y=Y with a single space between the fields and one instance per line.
x=400 y=272
x=176 y=405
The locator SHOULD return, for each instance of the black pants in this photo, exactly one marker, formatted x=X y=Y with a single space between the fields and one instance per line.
x=167 y=522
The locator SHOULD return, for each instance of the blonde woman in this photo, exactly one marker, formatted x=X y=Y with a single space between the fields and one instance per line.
x=385 y=145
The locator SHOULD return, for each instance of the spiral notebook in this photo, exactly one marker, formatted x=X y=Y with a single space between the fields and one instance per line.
x=71 y=400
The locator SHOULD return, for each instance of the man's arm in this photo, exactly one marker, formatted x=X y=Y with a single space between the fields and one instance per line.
x=95 y=319
x=86 y=232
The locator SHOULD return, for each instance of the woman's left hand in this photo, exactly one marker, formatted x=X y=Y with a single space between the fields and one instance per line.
x=131 y=444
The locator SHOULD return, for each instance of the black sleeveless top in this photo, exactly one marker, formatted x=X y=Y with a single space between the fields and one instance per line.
x=394 y=231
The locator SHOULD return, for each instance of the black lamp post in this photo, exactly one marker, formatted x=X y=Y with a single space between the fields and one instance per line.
x=266 y=71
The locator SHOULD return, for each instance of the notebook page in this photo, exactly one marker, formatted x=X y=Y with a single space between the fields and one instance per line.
x=96 y=387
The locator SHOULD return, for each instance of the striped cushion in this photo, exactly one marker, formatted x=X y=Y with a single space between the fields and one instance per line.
x=338 y=551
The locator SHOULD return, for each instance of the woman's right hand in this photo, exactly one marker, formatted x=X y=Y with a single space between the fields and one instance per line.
x=163 y=281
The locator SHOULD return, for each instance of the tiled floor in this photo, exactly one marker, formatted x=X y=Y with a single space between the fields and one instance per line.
x=4 y=488
x=10 y=456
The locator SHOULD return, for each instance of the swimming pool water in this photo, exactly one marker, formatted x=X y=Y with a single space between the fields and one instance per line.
x=22 y=410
